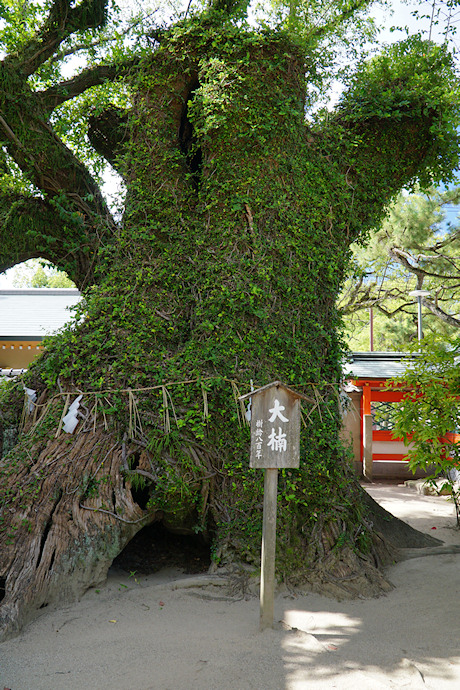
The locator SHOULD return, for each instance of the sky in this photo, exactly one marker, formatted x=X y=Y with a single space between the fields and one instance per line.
x=400 y=15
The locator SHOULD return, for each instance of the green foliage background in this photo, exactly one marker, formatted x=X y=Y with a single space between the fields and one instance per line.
x=428 y=417
x=416 y=247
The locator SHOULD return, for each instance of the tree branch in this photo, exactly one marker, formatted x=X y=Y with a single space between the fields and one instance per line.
x=49 y=165
x=31 y=228
x=401 y=257
x=397 y=130
x=340 y=18
x=366 y=300
x=65 y=183
x=446 y=242
x=402 y=308
x=101 y=41
x=437 y=311
x=107 y=133
x=93 y=76
x=229 y=7
x=62 y=21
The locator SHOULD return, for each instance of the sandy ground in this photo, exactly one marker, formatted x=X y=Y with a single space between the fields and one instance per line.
x=155 y=633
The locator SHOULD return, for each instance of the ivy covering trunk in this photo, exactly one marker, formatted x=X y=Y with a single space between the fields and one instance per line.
x=223 y=273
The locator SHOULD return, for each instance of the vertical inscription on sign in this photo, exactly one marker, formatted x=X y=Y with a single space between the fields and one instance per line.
x=259 y=437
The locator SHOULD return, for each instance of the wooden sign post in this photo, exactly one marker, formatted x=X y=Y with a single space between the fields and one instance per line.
x=275 y=443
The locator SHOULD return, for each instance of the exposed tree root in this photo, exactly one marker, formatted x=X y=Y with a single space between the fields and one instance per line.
x=406 y=554
x=71 y=514
x=72 y=506
x=397 y=532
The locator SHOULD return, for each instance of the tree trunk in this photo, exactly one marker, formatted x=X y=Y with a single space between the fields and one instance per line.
x=224 y=272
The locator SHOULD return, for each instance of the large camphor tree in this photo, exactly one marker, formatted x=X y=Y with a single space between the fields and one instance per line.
x=222 y=270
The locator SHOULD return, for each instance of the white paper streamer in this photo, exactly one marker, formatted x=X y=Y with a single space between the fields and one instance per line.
x=70 y=421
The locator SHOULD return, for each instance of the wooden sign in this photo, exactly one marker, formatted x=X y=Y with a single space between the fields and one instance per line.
x=275 y=432
x=275 y=427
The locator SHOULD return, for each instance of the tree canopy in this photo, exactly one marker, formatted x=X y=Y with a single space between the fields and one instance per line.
x=39 y=274
x=220 y=271
x=415 y=248
x=428 y=417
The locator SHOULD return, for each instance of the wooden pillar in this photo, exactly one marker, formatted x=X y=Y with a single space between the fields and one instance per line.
x=367 y=433
x=367 y=446
x=367 y=396
x=267 y=575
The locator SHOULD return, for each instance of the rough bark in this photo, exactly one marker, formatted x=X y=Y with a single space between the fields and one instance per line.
x=74 y=508
x=67 y=545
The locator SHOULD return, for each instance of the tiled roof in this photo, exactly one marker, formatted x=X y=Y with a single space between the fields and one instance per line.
x=376 y=365
x=35 y=312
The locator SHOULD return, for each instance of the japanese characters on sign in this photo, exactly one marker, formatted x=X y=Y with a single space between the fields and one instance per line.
x=275 y=427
